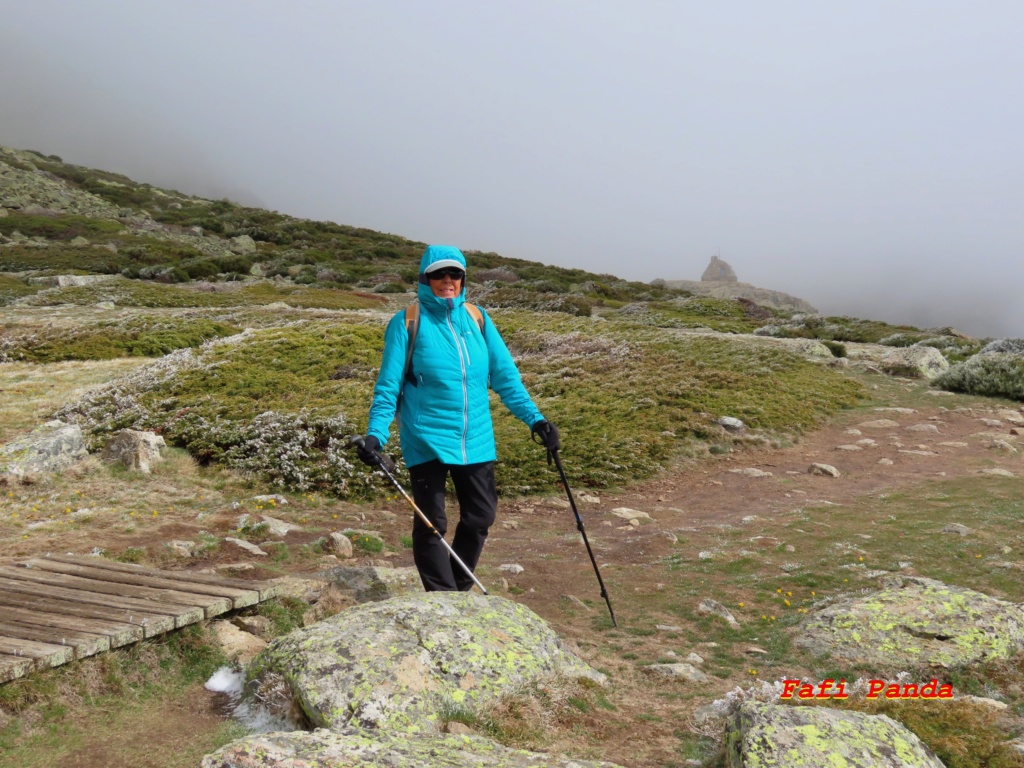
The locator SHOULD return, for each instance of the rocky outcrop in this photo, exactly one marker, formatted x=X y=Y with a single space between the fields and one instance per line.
x=919 y=623
x=23 y=186
x=914 y=362
x=135 y=450
x=764 y=297
x=49 y=448
x=396 y=664
x=355 y=748
x=776 y=736
x=718 y=271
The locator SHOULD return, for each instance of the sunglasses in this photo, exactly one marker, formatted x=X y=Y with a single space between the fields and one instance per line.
x=452 y=272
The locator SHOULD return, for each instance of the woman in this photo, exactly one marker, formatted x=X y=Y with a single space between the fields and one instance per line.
x=444 y=414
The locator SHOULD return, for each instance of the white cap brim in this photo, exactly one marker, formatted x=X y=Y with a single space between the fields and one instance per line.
x=442 y=264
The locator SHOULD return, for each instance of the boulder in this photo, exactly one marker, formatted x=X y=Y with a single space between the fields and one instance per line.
x=50 y=447
x=369 y=583
x=355 y=748
x=918 y=623
x=914 y=362
x=242 y=244
x=396 y=664
x=134 y=449
x=777 y=736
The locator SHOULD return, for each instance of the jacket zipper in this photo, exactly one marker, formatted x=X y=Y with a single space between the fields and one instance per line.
x=465 y=390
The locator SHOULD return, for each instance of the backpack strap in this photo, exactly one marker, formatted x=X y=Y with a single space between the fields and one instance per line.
x=412 y=327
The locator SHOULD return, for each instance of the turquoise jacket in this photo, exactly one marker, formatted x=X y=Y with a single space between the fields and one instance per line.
x=446 y=412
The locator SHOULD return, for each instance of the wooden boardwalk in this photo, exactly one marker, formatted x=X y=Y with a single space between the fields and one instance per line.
x=59 y=608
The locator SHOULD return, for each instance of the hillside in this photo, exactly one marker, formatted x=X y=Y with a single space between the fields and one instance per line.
x=250 y=341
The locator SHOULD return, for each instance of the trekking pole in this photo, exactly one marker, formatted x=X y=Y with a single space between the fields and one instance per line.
x=358 y=441
x=582 y=530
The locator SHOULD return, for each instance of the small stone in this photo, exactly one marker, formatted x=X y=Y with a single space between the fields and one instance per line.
x=668 y=628
x=711 y=607
x=693 y=658
x=998 y=472
x=511 y=525
x=750 y=519
x=852 y=431
x=1002 y=445
x=576 y=602
x=867 y=442
x=236 y=567
x=790 y=548
x=849 y=447
x=823 y=469
x=879 y=424
x=182 y=548
x=963 y=530
x=252 y=549
x=277 y=527
x=680 y=671
x=991 y=422
x=753 y=650
x=705 y=555
x=751 y=472
x=260 y=626
x=514 y=568
x=237 y=644
x=339 y=544
x=790 y=567
x=923 y=428
x=731 y=425
x=587 y=498
x=919 y=453
x=630 y=514
x=885 y=462
x=954 y=444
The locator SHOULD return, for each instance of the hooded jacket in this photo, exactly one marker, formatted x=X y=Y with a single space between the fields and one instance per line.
x=445 y=412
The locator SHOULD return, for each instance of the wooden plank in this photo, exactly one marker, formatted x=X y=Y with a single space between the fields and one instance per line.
x=265 y=589
x=182 y=614
x=44 y=655
x=117 y=632
x=13 y=667
x=85 y=644
x=150 y=624
x=211 y=606
x=239 y=598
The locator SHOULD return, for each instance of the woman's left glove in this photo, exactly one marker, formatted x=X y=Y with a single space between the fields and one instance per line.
x=546 y=433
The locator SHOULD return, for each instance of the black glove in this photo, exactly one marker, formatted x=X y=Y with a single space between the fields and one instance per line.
x=546 y=433
x=368 y=450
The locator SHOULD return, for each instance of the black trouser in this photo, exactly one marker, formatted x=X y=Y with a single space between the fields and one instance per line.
x=478 y=503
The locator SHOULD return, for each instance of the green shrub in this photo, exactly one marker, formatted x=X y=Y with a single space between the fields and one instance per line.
x=837 y=348
x=267 y=402
x=996 y=374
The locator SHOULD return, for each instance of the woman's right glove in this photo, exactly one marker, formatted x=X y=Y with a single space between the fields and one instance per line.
x=546 y=433
x=368 y=451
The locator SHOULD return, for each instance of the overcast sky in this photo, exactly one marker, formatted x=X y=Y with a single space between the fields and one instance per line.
x=866 y=156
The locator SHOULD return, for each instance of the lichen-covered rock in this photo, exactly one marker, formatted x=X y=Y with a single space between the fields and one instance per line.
x=395 y=664
x=370 y=583
x=764 y=735
x=50 y=447
x=354 y=748
x=914 y=362
x=135 y=449
x=920 y=623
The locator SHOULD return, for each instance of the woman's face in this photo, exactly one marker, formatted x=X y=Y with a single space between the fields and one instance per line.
x=444 y=285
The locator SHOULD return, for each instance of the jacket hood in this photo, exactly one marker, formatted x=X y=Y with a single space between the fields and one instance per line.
x=432 y=258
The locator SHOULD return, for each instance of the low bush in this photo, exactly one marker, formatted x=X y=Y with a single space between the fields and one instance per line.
x=1005 y=346
x=993 y=374
x=268 y=402
x=140 y=337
